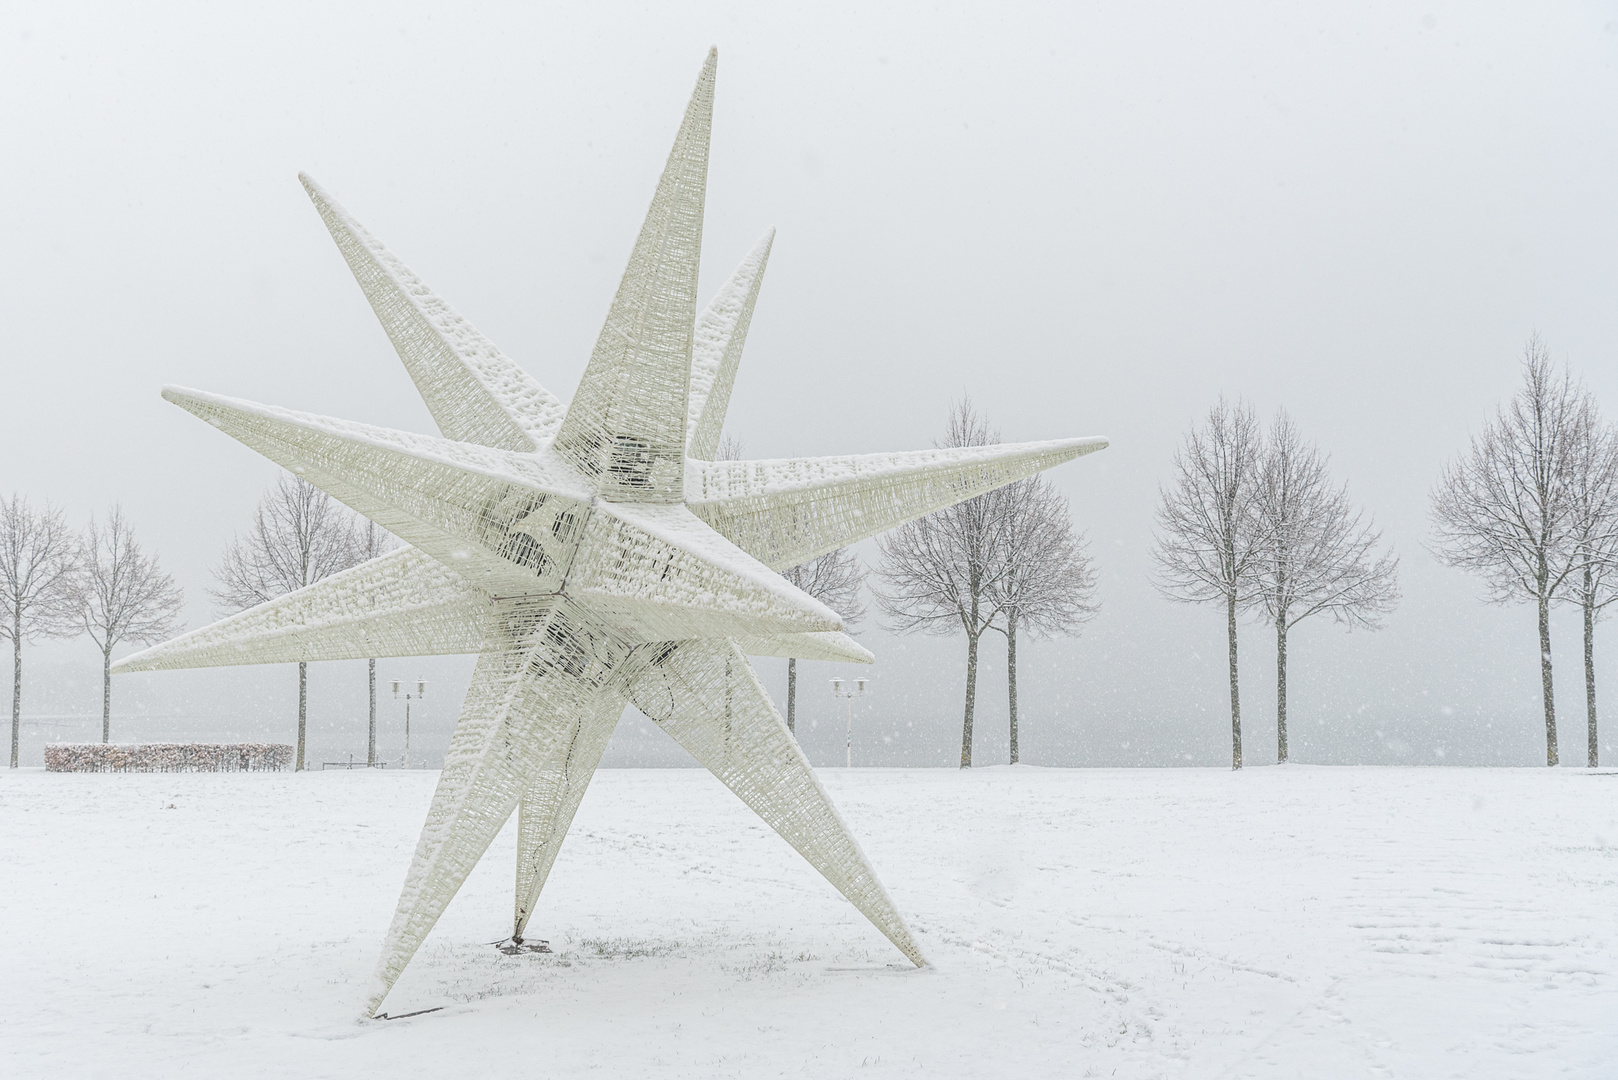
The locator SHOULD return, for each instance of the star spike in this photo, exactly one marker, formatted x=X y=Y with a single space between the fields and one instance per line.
x=831 y=645
x=706 y=695
x=788 y=511
x=404 y=603
x=626 y=425
x=717 y=350
x=475 y=393
x=552 y=796
x=505 y=736
x=656 y=573
x=455 y=501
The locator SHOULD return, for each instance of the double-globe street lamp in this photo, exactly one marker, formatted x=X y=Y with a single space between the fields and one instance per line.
x=848 y=696
x=421 y=692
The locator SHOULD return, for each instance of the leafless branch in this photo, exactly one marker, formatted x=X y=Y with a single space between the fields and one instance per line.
x=1048 y=583
x=1318 y=554
x=38 y=568
x=1208 y=530
x=124 y=596
x=836 y=579
x=299 y=535
x=937 y=571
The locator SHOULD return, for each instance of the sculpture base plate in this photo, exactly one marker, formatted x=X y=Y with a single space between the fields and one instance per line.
x=513 y=947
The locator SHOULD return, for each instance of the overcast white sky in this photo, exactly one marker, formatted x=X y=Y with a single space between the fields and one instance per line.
x=1093 y=221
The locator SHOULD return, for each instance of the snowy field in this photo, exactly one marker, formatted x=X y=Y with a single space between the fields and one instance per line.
x=1290 y=922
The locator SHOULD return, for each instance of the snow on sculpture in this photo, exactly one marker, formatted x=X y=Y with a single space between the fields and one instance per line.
x=591 y=555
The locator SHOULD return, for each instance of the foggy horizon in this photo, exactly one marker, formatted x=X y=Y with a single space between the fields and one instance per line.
x=1092 y=224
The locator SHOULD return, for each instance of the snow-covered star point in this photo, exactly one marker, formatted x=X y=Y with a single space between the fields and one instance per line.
x=592 y=555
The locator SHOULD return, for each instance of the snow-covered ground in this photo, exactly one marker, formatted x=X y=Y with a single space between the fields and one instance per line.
x=1297 y=921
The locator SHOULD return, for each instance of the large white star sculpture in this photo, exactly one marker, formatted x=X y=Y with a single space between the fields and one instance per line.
x=592 y=555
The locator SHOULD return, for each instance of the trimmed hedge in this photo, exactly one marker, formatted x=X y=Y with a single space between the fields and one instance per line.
x=167 y=757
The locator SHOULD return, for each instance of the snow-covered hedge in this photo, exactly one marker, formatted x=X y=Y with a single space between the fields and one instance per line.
x=167 y=757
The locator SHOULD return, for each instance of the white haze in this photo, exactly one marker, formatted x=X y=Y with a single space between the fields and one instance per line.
x=1092 y=222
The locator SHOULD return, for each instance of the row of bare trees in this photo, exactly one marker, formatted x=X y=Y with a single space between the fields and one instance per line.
x=1531 y=507
x=56 y=582
x=1252 y=522
x=59 y=583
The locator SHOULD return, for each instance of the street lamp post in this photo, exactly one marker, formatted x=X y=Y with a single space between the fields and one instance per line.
x=848 y=697
x=421 y=692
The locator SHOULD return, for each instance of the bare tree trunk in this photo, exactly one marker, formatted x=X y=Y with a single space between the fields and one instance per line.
x=106 y=693
x=971 y=699
x=1594 y=753
x=1281 y=689
x=1545 y=679
x=792 y=695
x=370 y=743
x=1011 y=678
x=303 y=708
x=1235 y=695
x=16 y=683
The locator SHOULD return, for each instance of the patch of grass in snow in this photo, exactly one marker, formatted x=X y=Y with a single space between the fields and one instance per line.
x=625 y=948
x=755 y=966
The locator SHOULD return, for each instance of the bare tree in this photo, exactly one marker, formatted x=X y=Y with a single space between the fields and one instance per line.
x=1208 y=538
x=1594 y=491
x=122 y=596
x=1318 y=554
x=370 y=540
x=38 y=561
x=938 y=571
x=1505 y=509
x=835 y=579
x=299 y=536
x=1048 y=583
